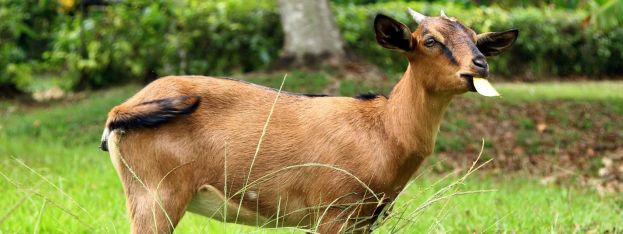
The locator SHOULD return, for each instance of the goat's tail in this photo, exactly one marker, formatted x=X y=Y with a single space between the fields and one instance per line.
x=147 y=114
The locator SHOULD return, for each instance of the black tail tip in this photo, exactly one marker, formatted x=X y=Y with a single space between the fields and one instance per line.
x=104 y=146
x=163 y=111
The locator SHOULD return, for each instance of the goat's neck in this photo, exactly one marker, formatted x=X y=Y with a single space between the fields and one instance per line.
x=413 y=115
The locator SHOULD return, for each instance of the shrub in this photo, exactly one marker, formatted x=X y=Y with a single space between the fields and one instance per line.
x=43 y=44
x=551 y=42
x=145 y=39
x=25 y=28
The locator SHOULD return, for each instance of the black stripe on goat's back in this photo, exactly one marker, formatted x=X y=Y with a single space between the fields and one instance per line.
x=368 y=96
x=155 y=112
x=310 y=94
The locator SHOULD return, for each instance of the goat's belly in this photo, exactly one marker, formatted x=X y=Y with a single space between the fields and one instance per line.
x=211 y=202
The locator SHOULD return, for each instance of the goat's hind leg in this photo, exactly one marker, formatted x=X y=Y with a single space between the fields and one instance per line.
x=341 y=221
x=155 y=199
x=155 y=209
x=152 y=212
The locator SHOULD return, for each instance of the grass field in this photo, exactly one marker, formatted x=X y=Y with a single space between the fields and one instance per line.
x=55 y=180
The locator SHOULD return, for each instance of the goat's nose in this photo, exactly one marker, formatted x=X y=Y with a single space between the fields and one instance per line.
x=480 y=62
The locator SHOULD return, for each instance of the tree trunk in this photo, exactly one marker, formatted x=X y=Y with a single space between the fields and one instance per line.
x=312 y=38
x=313 y=42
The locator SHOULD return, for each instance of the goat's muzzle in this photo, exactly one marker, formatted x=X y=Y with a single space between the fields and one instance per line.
x=470 y=81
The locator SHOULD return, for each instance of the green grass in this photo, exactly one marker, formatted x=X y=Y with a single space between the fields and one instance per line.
x=79 y=192
x=516 y=204
x=583 y=90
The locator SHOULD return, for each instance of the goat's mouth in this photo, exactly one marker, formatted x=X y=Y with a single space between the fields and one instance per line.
x=480 y=85
x=470 y=82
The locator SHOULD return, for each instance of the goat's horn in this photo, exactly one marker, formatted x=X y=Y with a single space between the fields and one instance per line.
x=417 y=17
x=443 y=14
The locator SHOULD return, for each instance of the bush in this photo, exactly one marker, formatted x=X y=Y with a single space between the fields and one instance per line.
x=44 y=44
x=25 y=28
x=551 y=41
x=136 y=40
x=146 y=39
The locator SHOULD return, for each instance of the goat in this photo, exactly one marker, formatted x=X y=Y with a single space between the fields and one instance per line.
x=329 y=163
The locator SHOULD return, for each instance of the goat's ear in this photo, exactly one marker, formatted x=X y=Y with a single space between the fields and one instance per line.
x=392 y=34
x=494 y=43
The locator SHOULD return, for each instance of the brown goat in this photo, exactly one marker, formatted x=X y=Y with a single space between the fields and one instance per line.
x=326 y=164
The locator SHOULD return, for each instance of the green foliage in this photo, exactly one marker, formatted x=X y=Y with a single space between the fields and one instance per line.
x=25 y=28
x=607 y=14
x=43 y=45
x=551 y=42
x=571 y=4
x=146 y=39
x=136 y=40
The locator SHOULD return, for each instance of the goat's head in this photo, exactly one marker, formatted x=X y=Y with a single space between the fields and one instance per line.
x=448 y=53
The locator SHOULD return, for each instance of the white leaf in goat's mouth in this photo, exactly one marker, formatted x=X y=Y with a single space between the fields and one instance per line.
x=484 y=88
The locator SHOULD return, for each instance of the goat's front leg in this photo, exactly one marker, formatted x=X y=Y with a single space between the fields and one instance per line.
x=338 y=221
x=332 y=222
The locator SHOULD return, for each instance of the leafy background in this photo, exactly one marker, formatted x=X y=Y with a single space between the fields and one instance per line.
x=46 y=43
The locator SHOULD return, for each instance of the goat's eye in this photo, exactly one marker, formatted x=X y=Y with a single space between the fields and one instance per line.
x=429 y=42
